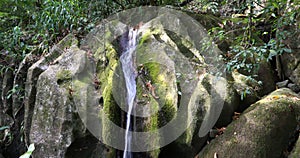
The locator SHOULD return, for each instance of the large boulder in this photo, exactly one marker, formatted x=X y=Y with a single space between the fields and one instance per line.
x=171 y=79
x=263 y=130
x=178 y=87
x=33 y=74
x=56 y=126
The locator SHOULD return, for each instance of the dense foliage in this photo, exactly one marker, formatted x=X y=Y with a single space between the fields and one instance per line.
x=253 y=30
x=34 y=25
x=248 y=31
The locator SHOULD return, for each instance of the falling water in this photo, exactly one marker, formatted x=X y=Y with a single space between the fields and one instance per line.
x=129 y=75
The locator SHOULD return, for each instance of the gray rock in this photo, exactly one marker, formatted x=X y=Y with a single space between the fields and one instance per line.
x=33 y=74
x=295 y=76
x=247 y=88
x=19 y=83
x=263 y=130
x=294 y=87
x=53 y=123
x=231 y=104
x=282 y=84
x=172 y=63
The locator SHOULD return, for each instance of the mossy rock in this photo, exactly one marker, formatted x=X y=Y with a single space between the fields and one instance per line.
x=247 y=88
x=55 y=117
x=263 y=130
x=60 y=47
x=160 y=73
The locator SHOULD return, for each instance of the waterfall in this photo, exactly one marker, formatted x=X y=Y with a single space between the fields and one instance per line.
x=129 y=75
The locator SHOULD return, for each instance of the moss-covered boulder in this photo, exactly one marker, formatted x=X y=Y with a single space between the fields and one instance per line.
x=53 y=122
x=177 y=86
x=33 y=74
x=247 y=88
x=56 y=126
x=263 y=130
x=173 y=60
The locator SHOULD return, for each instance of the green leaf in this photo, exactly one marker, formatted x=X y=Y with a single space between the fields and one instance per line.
x=31 y=148
x=29 y=152
x=271 y=54
x=287 y=50
x=275 y=5
x=3 y=128
x=265 y=33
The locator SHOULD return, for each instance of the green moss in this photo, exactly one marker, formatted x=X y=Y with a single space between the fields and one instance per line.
x=63 y=78
x=105 y=74
x=68 y=41
x=103 y=54
x=56 y=51
x=154 y=71
x=110 y=106
x=64 y=75
x=168 y=110
x=107 y=35
x=151 y=126
x=147 y=35
x=145 y=96
x=182 y=44
x=77 y=88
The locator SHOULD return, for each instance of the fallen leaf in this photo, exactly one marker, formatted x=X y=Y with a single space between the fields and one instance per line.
x=276 y=97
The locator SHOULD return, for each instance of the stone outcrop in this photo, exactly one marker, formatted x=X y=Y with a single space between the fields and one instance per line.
x=171 y=78
x=263 y=130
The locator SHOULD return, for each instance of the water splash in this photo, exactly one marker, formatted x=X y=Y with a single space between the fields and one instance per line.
x=129 y=75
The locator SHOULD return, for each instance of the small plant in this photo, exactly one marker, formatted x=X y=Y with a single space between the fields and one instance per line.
x=6 y=135
x=15 y=90
x=29 y=152
x=4 y=128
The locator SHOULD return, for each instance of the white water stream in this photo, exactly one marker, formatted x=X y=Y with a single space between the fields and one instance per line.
x=129 y=75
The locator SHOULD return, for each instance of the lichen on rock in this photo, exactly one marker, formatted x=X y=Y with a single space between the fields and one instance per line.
x=273 y=119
